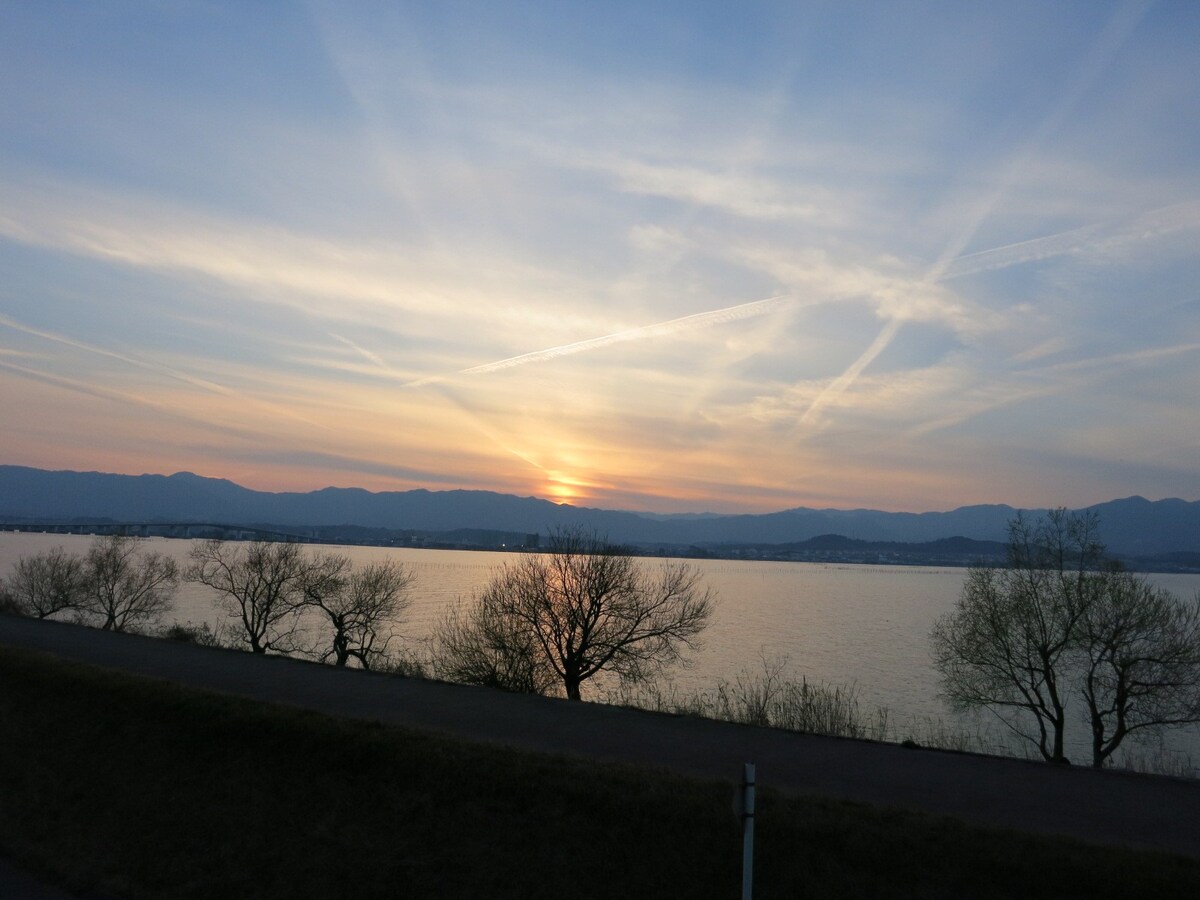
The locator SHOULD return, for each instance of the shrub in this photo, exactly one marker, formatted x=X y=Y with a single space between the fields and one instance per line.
x=190 y=633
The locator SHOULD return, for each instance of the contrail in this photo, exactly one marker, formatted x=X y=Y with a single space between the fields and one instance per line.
x=362 y=351
x=1121 y=359
x=183 y=377
x=1020 y=252
x=1099 y=365
x=373 y=358
x=1163 y=220
x=1117 y=31
x=111 y=354
x=1150 y=224
x=1110 y=41
x=1158 y=221
x=92 y=390
x=658 y=329
x=847 y=378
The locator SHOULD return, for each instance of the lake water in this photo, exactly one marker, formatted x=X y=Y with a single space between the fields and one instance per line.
x=838 y=624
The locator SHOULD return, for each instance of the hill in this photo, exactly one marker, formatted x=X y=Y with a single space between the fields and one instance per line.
x=1133 y=526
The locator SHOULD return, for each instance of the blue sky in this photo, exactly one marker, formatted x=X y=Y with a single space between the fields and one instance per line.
x=648 y=255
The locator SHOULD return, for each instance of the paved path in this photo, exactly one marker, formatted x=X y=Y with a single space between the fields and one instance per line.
x=1099 y=806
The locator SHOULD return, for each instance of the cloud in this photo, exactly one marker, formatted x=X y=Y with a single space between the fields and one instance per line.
x=148 y=234
x=1120 y=361
x=1117 y=30
x=342 y=463
x=167 y=371
x=740 y=195
x=345 y=278
x=1099 y=239
x=374 y=359
x=169 y=409
x=645 y=332
x=553 y=235
x=846 y=380
x=895 y=299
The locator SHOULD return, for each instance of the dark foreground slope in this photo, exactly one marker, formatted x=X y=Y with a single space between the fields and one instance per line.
x=148 y=790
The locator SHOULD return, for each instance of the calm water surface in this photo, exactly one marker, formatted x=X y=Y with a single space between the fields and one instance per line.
x=839 y=624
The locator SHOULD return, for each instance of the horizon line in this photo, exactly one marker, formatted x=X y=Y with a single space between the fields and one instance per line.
x=577 y=506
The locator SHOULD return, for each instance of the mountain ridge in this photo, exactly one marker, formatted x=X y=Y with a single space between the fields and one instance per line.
x=1132 y=525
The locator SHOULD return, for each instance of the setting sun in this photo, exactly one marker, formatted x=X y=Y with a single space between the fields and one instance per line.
x=737 y=262
x=564 y=489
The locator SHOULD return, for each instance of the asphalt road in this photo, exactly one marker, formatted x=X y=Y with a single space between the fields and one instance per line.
x=1103 y=807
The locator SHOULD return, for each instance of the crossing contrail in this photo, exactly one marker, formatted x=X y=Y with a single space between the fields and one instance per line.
x=1154 y=223
x=847 y=378
x=1117 y=31
x=658 y=329
x=1151 y=224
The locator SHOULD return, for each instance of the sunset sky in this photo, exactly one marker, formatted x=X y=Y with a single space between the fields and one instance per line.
x=662 y=256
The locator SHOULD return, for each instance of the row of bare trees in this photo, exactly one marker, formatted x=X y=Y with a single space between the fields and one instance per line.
x=1062 y=624
x=547 y=624
x=271 y=588
x=115 y=584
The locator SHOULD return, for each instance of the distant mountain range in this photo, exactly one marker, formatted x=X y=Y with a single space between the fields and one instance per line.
x=1133 y=526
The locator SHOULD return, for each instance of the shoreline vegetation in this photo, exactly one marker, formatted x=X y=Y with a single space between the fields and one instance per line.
x=769 y=694
x=184 y=794
x=773 y=697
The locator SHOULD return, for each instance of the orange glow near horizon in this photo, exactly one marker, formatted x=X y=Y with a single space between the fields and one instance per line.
x=629 y=307
x=565 y=489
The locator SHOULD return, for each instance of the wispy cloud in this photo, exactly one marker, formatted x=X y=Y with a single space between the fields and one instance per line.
x=550 y=226
x=159 y=369
x=1099 y=236
x=165 y=408
x=644 y=332
x=753 y=198
x=1119 y=361
x=846 y=380
x=343 y=277
x=1099 y=57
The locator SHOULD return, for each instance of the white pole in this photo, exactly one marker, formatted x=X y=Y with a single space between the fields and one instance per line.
x=748 y=832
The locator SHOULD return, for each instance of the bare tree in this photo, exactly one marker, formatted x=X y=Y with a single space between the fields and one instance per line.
x=586 y=607
x=262 y=585
x=478 y=644
x=1006 y=645
x=47 y=583
x=359 y=605
x=127 y=588
x=1062 y=619
x=1140 y=655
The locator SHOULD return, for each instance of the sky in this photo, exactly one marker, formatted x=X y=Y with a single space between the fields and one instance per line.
x=674 y=257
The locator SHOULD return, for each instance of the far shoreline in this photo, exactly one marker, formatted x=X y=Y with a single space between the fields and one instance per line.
x=825 y=549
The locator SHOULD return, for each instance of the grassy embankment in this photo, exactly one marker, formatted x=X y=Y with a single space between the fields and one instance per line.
x=141 y=789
